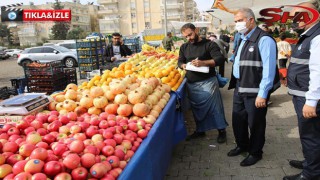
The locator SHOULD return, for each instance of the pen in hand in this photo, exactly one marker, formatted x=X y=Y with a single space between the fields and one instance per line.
x=195 y=62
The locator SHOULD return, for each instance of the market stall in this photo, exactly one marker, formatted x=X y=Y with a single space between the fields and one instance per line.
x=117 y=125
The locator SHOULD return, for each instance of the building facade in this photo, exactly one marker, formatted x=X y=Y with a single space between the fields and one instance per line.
x=134 y=16
x=83 y=16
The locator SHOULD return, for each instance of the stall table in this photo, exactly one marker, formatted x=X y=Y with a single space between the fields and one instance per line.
x=153 y=157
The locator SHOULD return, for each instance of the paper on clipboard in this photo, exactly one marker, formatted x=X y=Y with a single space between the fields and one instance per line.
x=202 y=69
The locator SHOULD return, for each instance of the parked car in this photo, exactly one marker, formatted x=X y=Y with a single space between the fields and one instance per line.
x=3 y=54
x=48 y=54
x=69 y=45
x=13 y=52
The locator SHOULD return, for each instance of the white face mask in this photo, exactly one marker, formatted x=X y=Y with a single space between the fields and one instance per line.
x=241 y=27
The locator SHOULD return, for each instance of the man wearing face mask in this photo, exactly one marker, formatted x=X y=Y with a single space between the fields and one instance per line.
x=116 y=49
x=304 y=86
x=203 y=88
x=254 y=77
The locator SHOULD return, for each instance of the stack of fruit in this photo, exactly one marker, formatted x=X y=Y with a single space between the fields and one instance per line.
x=64 y=147
x=152 y=63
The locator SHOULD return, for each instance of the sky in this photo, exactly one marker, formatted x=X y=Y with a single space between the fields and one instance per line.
x=202 y=4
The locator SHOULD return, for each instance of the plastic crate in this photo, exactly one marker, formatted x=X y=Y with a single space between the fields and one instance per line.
x=19 y=84
x=86 y=60
x=71 y=75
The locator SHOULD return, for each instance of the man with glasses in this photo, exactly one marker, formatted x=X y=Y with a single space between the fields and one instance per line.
x=116 y=49
x=254 y=77
x=203 y=88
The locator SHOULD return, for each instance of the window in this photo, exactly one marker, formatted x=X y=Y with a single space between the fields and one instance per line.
x=146 y=15
x=133 y=5
x=147 y=25
x=134 y=25
x=146 y=4
x=35 y=50
x=47 y=50
x=133 y=15
x=69 y=46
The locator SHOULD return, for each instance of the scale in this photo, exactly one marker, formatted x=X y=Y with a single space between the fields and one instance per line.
x=24 y=104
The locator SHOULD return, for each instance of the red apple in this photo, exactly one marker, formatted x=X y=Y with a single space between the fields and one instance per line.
x=54 y=126
x=108 y=150
x=10 y=147
x=104 y=116
x=52 y=157
x=13 y=159
x=39 y=176
x=95 y=121
x=118 y=138
x=92 y=130
x=49 y=138
x=42 y=145
x=99 y=170
x=142 y=133
x=6 y=127
x=13 y=131
x=75 y=129
x=112 y=123
x=29 y=130
x=23 y=176
x=92 y=149
x=122 y=164
x=59 y=149
x=80 y=136
x=26 y=149
x=52 y=168
x=71 y=161
x=43 y=117
x=114 y=161
x=103 y=124
x=39 y=153
x=63 y=176
x=2 y=159
x=54 y=112
x=9 y=176
x=19 y=167
x=52 y=118
x=4 y=136
x=110 y=142
x=77 y=146
x=5 y=169
x=79 y=173
x=88 y=160
x=13 y=137
x=119 y=153
x=64 y=119
x=36 y=124
x=107 y=134
x=133 y=127
x=34 y=166
x=21 y=124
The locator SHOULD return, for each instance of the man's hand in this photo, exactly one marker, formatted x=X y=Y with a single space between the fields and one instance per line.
x=309 y=112
x=183 y=66
x=261 y=102
x=113 y=58
x=197 y=63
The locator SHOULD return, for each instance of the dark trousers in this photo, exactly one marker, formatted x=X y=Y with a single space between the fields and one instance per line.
x=245 y=115
x=283 y=63
x=221 y=69
x=309 y=130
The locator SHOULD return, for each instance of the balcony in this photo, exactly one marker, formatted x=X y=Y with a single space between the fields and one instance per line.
x=109 y=21
x=107 y=1
x=173 y=6
x=174 y=16
x=108 y=11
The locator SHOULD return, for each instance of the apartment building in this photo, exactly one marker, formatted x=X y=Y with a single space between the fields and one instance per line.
x=133 y=16
x=36 y=32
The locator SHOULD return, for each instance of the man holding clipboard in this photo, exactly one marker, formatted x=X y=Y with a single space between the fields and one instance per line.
x=199 y=57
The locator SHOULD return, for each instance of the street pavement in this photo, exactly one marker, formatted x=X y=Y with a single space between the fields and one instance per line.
x=205 y=159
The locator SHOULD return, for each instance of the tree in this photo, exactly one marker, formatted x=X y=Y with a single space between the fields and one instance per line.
x=4 y=32
x=76 y=33
x=60 y=29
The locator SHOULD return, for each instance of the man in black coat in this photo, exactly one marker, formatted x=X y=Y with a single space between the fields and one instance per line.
x=116 y=49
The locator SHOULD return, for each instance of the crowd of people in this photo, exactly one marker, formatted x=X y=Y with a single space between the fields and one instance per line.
x=255 y=76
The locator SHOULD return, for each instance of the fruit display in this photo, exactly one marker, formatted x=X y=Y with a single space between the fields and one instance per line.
x=151 y=62
x=54 y=146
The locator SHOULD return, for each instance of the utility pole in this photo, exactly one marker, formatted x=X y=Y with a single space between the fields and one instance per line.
x=165 y=18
